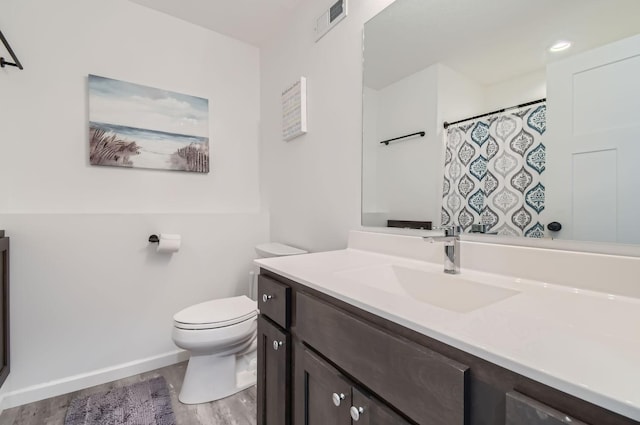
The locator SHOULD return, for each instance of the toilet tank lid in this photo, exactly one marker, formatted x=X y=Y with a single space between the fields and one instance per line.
x=223 y=310
x=275 y=249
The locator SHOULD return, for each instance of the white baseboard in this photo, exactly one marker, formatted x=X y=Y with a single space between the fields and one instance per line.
x=85 y=380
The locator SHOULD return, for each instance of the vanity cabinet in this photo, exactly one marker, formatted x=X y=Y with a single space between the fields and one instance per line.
x=342 y=357
x=274 y=353
x=4 y=307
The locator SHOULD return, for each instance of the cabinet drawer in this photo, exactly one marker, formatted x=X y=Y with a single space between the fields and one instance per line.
x=274 y=300
x=428 y=387
x=522 y=410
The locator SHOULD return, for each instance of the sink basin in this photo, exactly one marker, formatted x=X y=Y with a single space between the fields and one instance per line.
x=451 y=292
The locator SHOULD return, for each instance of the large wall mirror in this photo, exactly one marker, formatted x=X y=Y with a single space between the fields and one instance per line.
x=509 y=117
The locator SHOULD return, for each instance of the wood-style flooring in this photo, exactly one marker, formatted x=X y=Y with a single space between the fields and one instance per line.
x=239 y=409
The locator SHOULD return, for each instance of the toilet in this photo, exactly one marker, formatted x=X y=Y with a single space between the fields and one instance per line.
x=220 y=336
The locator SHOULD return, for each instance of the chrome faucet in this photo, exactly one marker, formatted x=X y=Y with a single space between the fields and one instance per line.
x=451 y=241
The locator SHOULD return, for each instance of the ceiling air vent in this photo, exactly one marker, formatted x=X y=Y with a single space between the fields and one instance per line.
x=330 y=18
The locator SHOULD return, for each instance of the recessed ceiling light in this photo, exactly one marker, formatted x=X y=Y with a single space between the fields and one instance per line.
x=560 y=46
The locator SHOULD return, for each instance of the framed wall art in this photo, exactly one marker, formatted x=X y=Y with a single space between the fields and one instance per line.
x=136 y=126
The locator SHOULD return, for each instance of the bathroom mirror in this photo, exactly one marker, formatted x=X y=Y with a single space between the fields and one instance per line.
x=568 y=157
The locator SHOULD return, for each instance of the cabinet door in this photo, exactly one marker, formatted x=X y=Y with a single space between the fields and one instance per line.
x=522 y=410
x=273 y=384
x=329 y=398
x=327 y=395
x=368 y=411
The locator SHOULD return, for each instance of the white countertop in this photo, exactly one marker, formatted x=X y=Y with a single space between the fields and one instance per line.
x=581 y=342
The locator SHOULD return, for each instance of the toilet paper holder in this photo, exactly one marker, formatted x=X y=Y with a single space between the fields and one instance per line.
x=167 y=243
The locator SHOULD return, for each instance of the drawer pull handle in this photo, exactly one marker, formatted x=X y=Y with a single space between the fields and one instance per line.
x=277 y=344
x=266 y=298
x=356 y=412
x=337 y=398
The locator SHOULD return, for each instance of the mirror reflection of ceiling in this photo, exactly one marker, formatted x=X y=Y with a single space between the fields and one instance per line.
x=471 y=37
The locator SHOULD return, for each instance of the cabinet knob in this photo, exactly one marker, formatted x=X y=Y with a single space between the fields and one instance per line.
x=266 y=298
x=337 y=398
x=277 y=344
x=356 y=412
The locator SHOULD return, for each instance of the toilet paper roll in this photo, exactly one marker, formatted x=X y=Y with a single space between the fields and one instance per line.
x=169 y=243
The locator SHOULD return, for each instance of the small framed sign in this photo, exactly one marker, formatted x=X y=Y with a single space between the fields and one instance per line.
x=294 y=110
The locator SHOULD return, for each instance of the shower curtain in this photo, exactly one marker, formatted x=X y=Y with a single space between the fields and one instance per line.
x=493 y=172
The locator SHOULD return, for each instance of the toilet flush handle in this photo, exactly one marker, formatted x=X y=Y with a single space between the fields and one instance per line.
x=266 y=298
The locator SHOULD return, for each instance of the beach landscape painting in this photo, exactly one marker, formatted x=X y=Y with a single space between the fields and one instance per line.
x=136 y=126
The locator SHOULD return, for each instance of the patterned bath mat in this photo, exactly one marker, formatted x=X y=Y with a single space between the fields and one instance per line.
x=143 y=403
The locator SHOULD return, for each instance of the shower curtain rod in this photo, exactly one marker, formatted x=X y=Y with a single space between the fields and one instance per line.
x=447 y=124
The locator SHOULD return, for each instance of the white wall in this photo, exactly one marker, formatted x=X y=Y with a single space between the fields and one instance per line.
x=44 y=107
x=459 y=97
x=518 y=90
x=87 y=291
x=409 y=168
x=373 y=208
x=313 y=183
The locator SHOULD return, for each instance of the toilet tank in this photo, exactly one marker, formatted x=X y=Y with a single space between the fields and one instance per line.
x=266 y=250
x=275 y=249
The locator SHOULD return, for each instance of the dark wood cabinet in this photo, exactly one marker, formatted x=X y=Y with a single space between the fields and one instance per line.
x=273 y=374
x=341 y=360
x=523 y=410
x=274 y=301
x=4 y=307
x=423 y=384
x=328 y=397
x=274 y=353
x=372 y=411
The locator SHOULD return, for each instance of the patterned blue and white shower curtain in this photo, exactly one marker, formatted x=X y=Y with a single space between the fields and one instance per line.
x=493 y=173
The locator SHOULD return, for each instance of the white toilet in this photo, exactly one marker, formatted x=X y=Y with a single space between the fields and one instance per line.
x=221 y=338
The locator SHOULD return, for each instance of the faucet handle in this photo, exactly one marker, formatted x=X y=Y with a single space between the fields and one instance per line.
x=450 y=230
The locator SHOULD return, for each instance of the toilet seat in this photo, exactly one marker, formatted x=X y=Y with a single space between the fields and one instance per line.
x=216 y=313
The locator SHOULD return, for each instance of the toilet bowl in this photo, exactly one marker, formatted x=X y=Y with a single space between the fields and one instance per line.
x=217 y=334
x=221 y=338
